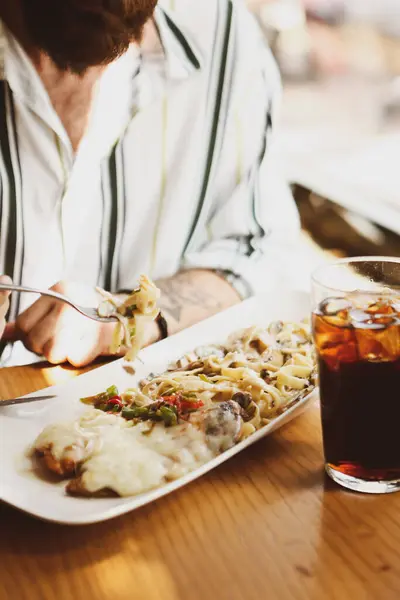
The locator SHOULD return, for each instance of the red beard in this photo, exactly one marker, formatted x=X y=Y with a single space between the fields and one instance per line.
x=78 y=34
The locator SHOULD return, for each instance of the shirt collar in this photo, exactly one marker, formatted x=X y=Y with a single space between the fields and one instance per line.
x=25 y=82
x=180 y=52
x=17 y=69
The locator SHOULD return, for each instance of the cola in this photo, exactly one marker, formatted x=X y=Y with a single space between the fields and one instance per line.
x=357 y=340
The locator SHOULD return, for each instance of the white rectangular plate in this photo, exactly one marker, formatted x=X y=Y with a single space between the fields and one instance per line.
x=19 y=425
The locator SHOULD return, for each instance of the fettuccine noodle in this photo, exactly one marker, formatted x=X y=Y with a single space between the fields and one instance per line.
x=265 y=369
x=134 y=316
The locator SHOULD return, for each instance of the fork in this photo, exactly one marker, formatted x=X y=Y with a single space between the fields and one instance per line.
x=91 y=313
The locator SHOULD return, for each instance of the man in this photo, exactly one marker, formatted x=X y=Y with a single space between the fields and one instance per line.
x=4 y=305
x=134 y=140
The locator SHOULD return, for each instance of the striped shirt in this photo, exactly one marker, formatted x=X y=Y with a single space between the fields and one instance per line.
x=173 y=171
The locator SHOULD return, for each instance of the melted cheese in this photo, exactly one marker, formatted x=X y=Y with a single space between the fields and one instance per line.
x=123 y=464
x=125 y=458
x=77 y=439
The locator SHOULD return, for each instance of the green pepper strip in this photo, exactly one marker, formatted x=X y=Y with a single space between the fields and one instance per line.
x=99 y=399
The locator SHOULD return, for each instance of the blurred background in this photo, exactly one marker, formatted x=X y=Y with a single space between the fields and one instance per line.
x=340 y=128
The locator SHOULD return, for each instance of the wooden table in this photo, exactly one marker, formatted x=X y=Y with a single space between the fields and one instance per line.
x=266 y=525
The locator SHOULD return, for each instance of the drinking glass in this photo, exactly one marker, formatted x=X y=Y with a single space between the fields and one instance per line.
x=356 y=329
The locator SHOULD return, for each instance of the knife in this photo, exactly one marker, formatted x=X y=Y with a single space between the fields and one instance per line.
x=24 y=400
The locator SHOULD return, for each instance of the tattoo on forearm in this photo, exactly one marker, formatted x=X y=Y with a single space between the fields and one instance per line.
x=182 y=292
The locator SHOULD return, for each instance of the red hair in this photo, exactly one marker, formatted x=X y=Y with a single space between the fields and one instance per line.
x=78 y=34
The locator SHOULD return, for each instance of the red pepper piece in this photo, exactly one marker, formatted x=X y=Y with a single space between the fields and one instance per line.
x=188 y=405
x=182 y=404
x=115 y=401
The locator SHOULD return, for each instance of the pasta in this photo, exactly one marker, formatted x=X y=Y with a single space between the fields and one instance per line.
x=262 y=370
x=266 y=370
x=205 y=403
x=134 y=315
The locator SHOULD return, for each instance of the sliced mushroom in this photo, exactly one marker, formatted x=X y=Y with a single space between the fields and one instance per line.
x=264 y=374
x=244 y=399
x=261 y=341
x=247 y=404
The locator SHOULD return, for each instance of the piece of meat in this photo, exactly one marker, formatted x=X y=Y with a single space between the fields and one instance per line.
x=76 y=487
x=66 y=467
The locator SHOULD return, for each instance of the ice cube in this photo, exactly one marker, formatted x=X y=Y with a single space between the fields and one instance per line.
x=378 y=342
x=335 y=342
x=396 y=306
x=334 y=306
x=357 y=315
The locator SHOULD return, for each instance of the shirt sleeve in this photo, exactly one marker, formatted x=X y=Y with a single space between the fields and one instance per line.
x=252 y=221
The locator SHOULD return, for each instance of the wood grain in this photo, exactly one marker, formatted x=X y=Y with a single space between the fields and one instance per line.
x=266 y=525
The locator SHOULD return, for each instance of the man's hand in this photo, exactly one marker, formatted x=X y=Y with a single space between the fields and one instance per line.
x=4 y=304
x=59 y=333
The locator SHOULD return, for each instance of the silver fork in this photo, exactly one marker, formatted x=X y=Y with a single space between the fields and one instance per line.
x=91 y=313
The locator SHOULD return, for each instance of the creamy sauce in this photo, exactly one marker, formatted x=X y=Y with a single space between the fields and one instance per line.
x=124 y=458
x=123 y=464
x=77 y=439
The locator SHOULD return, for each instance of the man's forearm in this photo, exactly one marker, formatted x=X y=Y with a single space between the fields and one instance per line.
x=191 y=296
